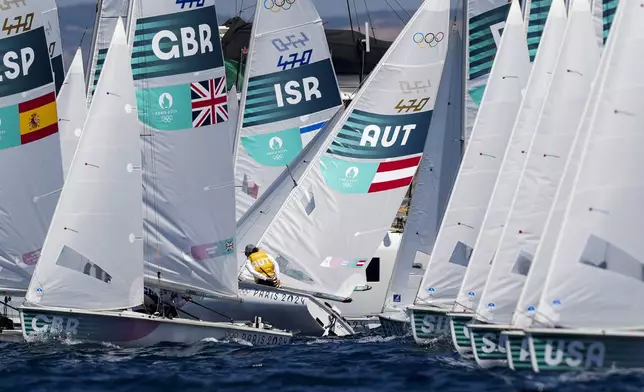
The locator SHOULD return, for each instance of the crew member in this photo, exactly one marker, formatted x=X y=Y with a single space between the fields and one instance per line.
x=263 y=267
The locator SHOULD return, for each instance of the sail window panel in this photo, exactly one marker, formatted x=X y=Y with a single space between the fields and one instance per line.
x=308 y=201
x=373 y=270
x=461 y=254
x=287 y=268
x=73 y=260
x=523 y=263
x=602 y=254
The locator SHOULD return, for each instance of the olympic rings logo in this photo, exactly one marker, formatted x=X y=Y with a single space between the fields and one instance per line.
x=278 y=5
x=278 y=157
x=428 y=40
x=166 y=119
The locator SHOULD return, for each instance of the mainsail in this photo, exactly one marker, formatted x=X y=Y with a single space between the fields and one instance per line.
x=72 y=111
x=108 y=12
x=343 y=206
x=189 y=195
x=93 y=256
x=29 y=143
x=290 y=92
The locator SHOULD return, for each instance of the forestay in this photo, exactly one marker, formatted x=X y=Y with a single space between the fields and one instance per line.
x=290 y=92
x=436 y=174
x=595 y=279
x=550 y=148
x=479 y=169
x=344 y=205
x=54 y=42
x=527 y=304
x=513 y=160
x=189 y=196
x=29 y=143
x=72 y=110
x=107 y=12
x=93 y=256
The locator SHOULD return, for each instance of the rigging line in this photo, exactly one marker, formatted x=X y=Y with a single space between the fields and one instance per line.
x=353 y=35
x=402 y=8
x=357 y=16
x=396 y=13
x=241 y=7
x=83 y=36
x=373 y=31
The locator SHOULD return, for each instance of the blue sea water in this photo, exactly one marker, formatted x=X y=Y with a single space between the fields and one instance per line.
x=360 y=364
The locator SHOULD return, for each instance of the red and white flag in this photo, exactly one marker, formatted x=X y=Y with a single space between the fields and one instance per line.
x=394 y=174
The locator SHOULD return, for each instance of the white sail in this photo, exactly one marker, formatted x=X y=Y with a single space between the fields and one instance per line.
x=480 y=167
x=603 y=14
x=435 y=178
x=93 y=255
x=343 y=206
x=513 y=160
x=107 y=12
x=549 y=150
x=54 y=42
x=595 y=279
x=533 y=287
x=189 y=194
x=29 y=144
x=486 y=22
x=290 y=92
x=72 y=110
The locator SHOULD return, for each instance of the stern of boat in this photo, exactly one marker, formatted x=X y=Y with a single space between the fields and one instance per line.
x=428 y=323
x=488 y=345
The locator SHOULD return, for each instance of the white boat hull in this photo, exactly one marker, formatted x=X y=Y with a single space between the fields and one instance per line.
x=302 y=314
x=130 y=329
x=395 y=323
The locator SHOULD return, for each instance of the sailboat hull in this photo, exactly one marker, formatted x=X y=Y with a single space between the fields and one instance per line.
x=428 y=324
x=395 y=324
x=518 y=350
x=296 y=312
x=488 y=344
x=460 y=333
x=571 y=350
x=130 y=329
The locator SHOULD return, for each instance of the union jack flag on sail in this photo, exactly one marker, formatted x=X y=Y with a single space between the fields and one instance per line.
x=209 y=102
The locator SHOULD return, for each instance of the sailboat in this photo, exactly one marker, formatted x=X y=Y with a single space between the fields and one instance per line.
x=321 y=231
x=474 y=184
x=290 y=91
x=542 y=171
x=509 y=175
x=72 y=111
x=91 y=270
x=596 y=269
x=433 y=184
x=28 y=141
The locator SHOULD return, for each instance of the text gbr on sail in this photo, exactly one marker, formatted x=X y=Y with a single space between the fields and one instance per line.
x=189 y=43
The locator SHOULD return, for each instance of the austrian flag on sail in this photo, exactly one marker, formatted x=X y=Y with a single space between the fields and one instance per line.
x=394 y=174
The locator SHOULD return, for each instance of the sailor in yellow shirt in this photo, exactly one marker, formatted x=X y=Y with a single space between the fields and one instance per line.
x=263 y=267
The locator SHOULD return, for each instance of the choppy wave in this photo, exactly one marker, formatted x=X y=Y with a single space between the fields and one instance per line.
x=366 y=363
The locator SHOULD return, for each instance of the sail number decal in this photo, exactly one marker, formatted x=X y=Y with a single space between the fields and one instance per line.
x=375 y=136
x=294 y=60
x=292 y=93
x=24 y=64
x=18 y=24
x=415 y=105
x=178 y=43
x=190 y=3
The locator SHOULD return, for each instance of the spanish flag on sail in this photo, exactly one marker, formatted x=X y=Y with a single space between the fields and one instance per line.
x=38 y=118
